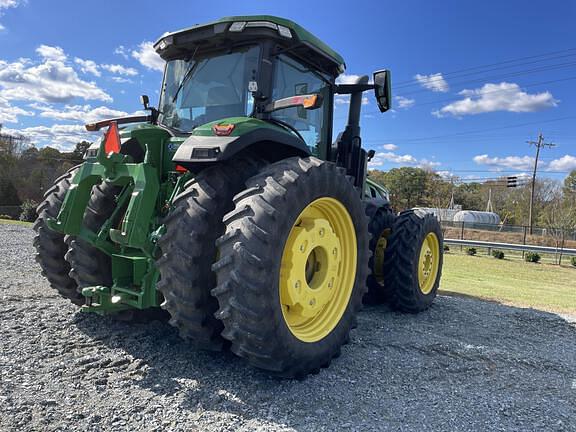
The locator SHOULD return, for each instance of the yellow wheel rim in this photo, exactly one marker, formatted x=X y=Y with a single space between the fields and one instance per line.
x=318 y=269
x=379 y=253
x=428 y=263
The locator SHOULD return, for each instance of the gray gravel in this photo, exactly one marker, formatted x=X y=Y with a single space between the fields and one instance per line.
x=462 y=365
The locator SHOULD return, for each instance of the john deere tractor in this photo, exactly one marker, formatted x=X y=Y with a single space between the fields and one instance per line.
x=231 y=208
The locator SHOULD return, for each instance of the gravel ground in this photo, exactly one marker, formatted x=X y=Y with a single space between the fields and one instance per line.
x=462 y=365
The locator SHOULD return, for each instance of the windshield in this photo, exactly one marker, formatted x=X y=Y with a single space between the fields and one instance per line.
x=205 y=89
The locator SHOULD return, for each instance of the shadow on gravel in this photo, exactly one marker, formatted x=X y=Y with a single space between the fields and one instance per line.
x=489 y=354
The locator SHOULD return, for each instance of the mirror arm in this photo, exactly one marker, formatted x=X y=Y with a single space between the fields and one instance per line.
x=352 y=88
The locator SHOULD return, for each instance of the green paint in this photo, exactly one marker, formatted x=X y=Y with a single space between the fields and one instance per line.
x=147 y=189
x=303 y=35
x=242 y=125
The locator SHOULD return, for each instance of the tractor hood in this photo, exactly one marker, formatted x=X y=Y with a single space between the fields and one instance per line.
x=221 y=140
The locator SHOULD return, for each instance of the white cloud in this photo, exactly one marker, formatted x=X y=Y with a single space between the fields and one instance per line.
x=122 y=80
x=390 y=147
x=565 y=163
x=51 y=80
x=509 y=162
x=9 y=113
x=434 y=82
x=51 y=53
x=88 y=66
x=381 y=158
x=121 y=51
x=347 y=79
x=404 y=102
x=81 y=113
x=63 y=137
x=120 y=70
x=147 y=56
x=345 y=100
x=497 y=97
x=7 y=4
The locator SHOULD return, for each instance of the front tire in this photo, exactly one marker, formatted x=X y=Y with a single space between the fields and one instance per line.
x=414 y=258
x=293 y=266
x=50 y=245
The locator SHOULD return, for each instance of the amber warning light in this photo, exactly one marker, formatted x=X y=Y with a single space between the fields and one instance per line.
x=223 y=129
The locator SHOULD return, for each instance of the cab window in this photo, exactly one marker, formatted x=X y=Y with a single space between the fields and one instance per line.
x=292 y=78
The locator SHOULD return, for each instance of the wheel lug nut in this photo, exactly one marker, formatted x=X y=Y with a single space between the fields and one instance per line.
x=297 y=285
x=321 y=232
x=312 y=302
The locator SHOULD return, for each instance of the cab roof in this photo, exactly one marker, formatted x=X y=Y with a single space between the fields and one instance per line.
x=286 y=33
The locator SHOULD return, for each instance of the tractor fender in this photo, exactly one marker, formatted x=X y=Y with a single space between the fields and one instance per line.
x=269 y=143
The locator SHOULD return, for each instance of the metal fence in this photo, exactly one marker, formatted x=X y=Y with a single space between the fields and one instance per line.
x=541 y=239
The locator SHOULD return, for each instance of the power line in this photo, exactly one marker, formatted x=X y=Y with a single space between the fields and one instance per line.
x=502 y=76
x=458 y=98
x=417 y=82
x=473 y=131
x=447 y=74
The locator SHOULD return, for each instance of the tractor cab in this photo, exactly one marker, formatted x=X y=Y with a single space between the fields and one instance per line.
x=264 y=68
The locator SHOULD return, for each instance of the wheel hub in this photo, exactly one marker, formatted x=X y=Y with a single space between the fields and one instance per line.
x=428 y=263
x=318 y=269
x=314 y=258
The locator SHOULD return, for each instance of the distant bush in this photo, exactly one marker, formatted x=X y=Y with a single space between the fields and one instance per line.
x=29 y=211
x=446 y=248
x=3 y=216
x=573 y=261
x=532 y=257
x=498 y=254
x=471 y=251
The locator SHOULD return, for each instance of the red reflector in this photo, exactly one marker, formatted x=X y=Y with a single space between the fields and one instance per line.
x=181 y=169
x=223 y=129
x=112 y=139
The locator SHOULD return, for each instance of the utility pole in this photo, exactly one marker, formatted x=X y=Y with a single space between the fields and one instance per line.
x=489 y=205
x=539 y=144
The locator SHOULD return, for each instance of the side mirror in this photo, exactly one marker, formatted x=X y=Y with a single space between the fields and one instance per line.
x=145 y=101
x=383 y=90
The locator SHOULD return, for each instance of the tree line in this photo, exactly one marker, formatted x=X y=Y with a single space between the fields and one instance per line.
x=27 y=172
x=554 y=201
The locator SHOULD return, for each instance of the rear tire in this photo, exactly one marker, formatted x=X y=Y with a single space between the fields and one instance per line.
x=189 y=250
x=380 y=227
x=292 y=196
x=50 y=245
x=414 y=258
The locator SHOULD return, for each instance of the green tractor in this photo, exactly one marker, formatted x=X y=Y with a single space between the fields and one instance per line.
x=231 y=209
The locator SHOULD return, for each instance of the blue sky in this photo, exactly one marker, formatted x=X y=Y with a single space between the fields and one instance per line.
x=64 y=62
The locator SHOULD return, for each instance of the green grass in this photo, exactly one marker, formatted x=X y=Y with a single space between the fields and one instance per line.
x=14 y=222
x=514 y=282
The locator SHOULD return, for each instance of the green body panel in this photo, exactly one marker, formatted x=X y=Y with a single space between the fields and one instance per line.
x=302 y=34
x=242 y=125
x=130 y=234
